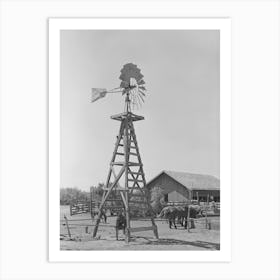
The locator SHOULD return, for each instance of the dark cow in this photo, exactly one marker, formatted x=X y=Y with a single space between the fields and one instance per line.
x=120 y=224
x=193 y=215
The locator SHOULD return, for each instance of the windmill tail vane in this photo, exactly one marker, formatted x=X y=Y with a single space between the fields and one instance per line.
x=97 y=93
x=132 y=85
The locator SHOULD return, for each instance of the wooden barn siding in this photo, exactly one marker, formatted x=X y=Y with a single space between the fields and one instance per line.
x=169 y=185
x=178 y=192
x=215 y=193
x=176 y=197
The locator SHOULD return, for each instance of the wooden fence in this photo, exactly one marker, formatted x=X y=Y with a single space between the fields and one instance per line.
x=80 y=207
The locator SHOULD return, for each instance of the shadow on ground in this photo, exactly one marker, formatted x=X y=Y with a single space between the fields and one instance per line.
x=171 y=241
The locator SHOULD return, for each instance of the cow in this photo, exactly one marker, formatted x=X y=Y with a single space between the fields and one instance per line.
x=193 y=214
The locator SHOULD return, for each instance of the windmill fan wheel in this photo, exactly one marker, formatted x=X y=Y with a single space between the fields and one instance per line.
x=132 y=83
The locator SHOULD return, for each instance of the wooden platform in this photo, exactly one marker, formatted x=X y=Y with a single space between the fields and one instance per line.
x=127 y=115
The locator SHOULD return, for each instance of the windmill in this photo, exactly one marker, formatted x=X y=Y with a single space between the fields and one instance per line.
x=128 y=186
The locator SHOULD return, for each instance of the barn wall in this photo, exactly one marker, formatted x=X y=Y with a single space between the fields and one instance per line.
x=177 y=192
x=171 y=187
x=175 y=196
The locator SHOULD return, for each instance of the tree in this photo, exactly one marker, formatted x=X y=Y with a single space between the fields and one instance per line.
x=157 y=199
x=72 y=195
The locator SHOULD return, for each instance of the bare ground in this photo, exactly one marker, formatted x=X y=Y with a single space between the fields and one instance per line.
x=198 y=238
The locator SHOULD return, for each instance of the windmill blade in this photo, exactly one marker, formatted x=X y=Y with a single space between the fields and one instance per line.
x=138 y=101
x=141 y=82
x=141 y=97
x=142 y=87
x=130 y=70
x=124 y=84
x=142 y=92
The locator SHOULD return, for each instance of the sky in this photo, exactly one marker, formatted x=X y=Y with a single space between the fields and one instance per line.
x=181 y=129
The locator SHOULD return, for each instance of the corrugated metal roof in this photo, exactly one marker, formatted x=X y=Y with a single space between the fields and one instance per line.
x=193 y=181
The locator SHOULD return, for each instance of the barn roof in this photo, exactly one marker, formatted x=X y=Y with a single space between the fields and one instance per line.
x=192 y=181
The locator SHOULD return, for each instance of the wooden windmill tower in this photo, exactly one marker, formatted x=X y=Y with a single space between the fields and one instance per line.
x=126 y=183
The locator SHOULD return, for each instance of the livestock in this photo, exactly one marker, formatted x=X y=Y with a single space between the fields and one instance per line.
x=120 y=224
x=103 y=215
x=171 y=213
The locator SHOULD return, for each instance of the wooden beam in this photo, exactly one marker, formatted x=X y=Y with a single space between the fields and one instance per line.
x=124 y=201
x=141 y=229
x=135 y=180
x=118 y=163
x=135 y=173
x=135 y=164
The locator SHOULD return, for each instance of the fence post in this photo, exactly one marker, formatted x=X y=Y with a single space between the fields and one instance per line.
x=188 y=218
x=206 y=220
x=68 y=229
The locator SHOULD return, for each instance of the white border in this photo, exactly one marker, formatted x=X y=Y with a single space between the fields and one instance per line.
x=55 y=25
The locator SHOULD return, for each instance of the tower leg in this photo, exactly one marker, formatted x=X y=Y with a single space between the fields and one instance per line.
x=155 y=228
x=97 y=222
x=127 y=235
x=127 y=230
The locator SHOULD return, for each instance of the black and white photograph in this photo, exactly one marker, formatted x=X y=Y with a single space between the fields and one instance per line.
x=140 y=140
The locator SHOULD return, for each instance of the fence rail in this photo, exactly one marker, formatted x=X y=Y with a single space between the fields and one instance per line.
x=79 y=208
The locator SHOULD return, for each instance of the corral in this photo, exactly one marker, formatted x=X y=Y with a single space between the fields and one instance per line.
x=81 y=229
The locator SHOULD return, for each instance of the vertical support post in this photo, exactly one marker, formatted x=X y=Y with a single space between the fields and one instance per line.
x=68 y=229
x=188 y=218
x=126 y=154
x=108 y=180
x=90 y=203
x=98 y=216
x=144 y=180
x=197 y=198
x=206 y=219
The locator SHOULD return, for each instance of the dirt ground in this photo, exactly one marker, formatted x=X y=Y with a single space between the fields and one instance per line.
x=198 y=238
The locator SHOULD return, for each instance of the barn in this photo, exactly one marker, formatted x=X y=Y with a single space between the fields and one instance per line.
x=182 y=186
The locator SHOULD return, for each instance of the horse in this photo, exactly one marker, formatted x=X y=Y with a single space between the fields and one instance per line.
x=171 y=213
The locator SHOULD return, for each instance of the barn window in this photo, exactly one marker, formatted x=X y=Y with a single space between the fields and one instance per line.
x=166 y=197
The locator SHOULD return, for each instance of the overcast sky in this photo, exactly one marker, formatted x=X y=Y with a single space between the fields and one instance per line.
x=181 y=127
